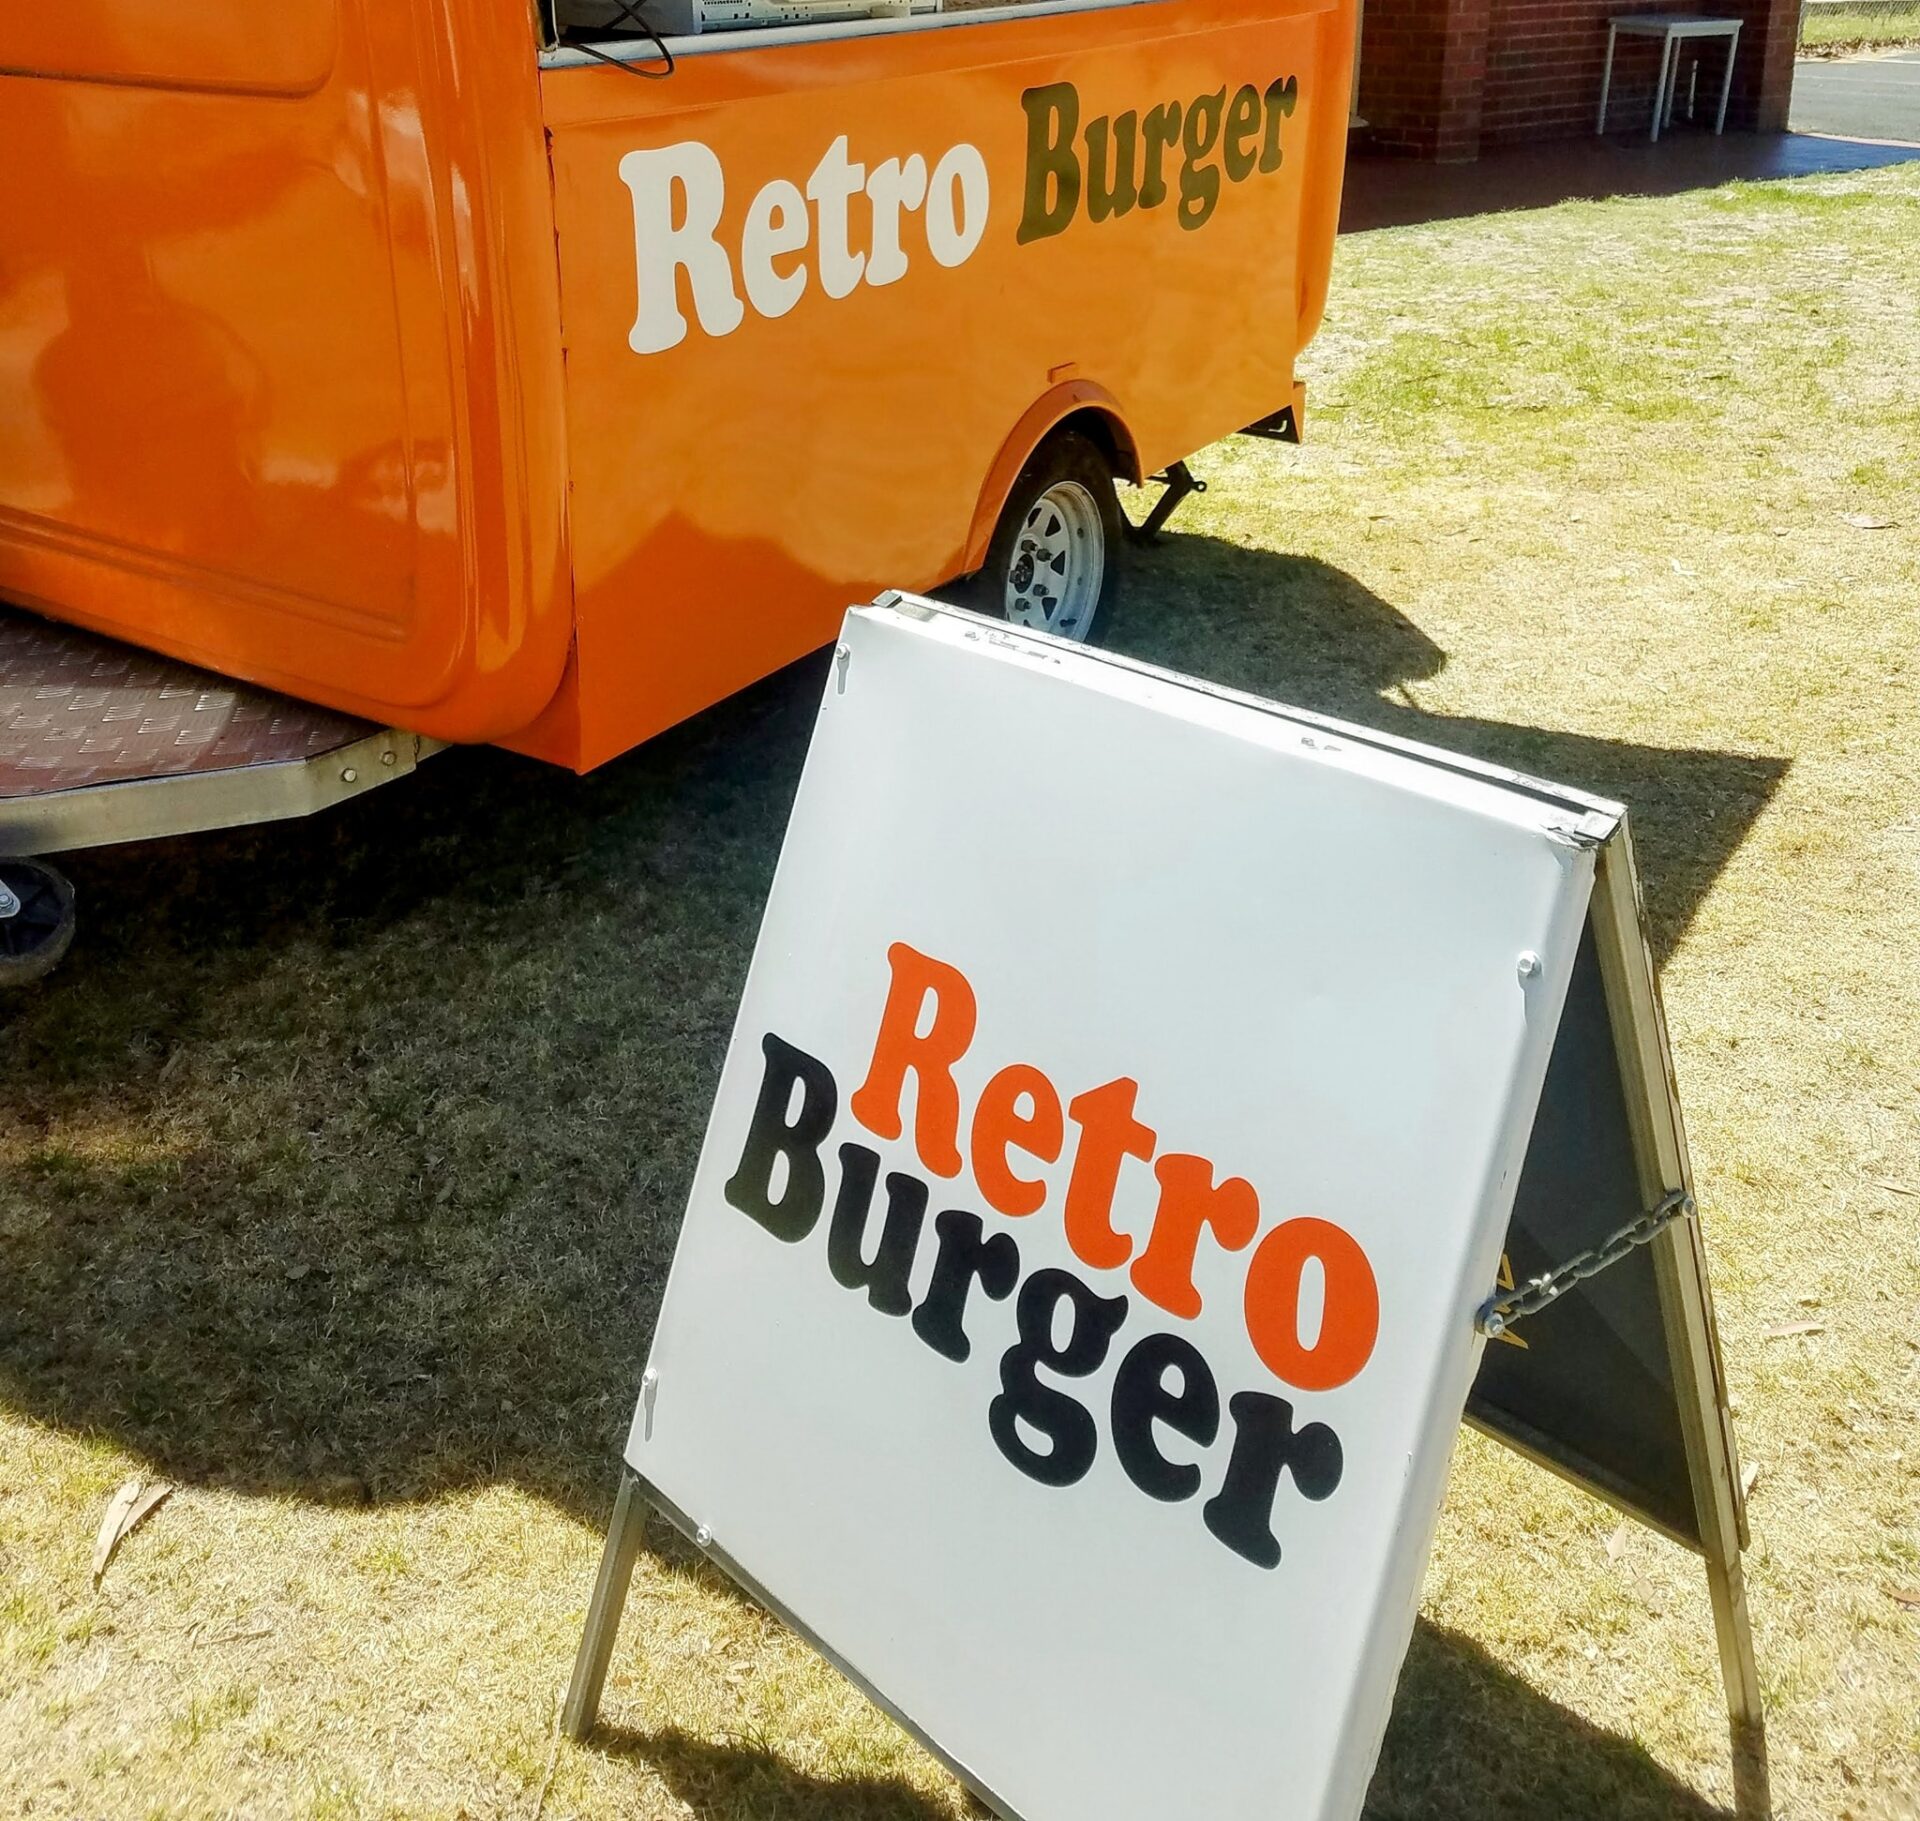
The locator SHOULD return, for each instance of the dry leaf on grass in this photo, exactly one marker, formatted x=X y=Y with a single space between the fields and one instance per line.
x=1904 y=1596
x=130 y=1507
x=1749 y=1477
x=1867 y=521
x=1617 y=1543
x=1787 y=1329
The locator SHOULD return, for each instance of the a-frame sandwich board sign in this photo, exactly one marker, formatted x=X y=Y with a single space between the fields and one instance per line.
x=1088 y=1262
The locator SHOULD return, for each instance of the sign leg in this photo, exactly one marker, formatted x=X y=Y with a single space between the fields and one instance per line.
x=1680 y=1270
x=603 y=1613
x=1752 y=1799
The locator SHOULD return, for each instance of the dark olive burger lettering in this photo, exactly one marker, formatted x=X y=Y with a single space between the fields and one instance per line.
x=1117 y=163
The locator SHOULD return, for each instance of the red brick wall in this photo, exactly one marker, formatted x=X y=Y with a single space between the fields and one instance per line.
x=1544 y=64
x=1422 y=63
x=1441 y=78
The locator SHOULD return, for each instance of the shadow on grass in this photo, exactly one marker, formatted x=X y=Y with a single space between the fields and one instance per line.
x=1309 y=634
x=741 y=1780
x=1467 y=1738
x=343 y=1160
x=1384 y=191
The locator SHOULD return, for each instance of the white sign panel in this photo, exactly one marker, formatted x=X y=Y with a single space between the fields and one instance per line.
x=1076 y=1300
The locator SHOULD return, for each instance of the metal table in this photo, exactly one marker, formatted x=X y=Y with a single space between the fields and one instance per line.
x=1670 y=29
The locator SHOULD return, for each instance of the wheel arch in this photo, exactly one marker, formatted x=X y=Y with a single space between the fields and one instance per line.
x=1079 y=404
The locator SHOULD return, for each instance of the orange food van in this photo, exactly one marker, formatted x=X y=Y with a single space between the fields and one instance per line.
x=515 y=375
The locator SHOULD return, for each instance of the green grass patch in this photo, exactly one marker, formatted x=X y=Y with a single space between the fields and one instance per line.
x=1837 y=30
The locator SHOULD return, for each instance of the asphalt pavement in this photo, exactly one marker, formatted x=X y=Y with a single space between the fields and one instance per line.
x=1859 y=97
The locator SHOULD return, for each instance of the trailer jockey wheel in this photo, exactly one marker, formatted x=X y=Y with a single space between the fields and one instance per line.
x=1054 y=562
x=36 y=920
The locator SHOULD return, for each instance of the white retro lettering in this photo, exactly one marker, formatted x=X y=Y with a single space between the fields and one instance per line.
x=662 y=246
x=776 y=224
x=679 y=196
x=836 y=180
x=894 y=186
x=957 y=205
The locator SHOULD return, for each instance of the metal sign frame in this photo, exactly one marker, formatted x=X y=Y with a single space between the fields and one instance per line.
x=1618 y=918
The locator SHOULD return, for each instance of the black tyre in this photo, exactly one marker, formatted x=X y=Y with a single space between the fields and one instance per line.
x=1054 y=563
x=36 y=920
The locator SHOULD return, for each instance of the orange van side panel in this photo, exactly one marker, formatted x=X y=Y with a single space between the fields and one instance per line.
x=795 y=450
x=210 y=44
x=280 y=385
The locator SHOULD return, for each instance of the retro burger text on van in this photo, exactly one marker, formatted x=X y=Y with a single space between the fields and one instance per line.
x=794 y=233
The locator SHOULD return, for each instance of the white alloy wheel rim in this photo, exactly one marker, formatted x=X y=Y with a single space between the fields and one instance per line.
x=1059 y=561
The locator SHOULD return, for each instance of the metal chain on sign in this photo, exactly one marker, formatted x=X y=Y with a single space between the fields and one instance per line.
x=1529 y=1298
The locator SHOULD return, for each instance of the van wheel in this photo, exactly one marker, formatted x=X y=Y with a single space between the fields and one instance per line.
x=1054 y=563
x=36 y=920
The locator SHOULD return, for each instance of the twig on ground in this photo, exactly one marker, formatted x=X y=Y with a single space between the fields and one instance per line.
x=553 y=1758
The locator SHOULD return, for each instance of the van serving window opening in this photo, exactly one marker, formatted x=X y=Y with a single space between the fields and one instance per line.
x=582 y=32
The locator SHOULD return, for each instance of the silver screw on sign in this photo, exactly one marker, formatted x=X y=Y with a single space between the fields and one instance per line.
x=1529 y=964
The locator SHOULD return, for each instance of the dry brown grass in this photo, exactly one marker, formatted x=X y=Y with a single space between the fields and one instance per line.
x=341 y=1163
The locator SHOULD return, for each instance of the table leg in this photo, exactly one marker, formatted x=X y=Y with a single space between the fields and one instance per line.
x=1726 y=81
x=1606 y=80
x=1660 y=87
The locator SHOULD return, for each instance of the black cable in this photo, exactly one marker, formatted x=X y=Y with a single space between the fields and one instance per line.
x=625 y=13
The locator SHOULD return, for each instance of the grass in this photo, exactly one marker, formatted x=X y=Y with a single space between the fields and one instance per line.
x=1832 y=31
x=340 y=1166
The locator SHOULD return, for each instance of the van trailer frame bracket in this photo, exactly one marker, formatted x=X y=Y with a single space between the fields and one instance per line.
x=196 y=802
x=103 y=742
x=1179 y=481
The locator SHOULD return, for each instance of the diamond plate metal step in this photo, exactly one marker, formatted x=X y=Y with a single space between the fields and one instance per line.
x=102 y=742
